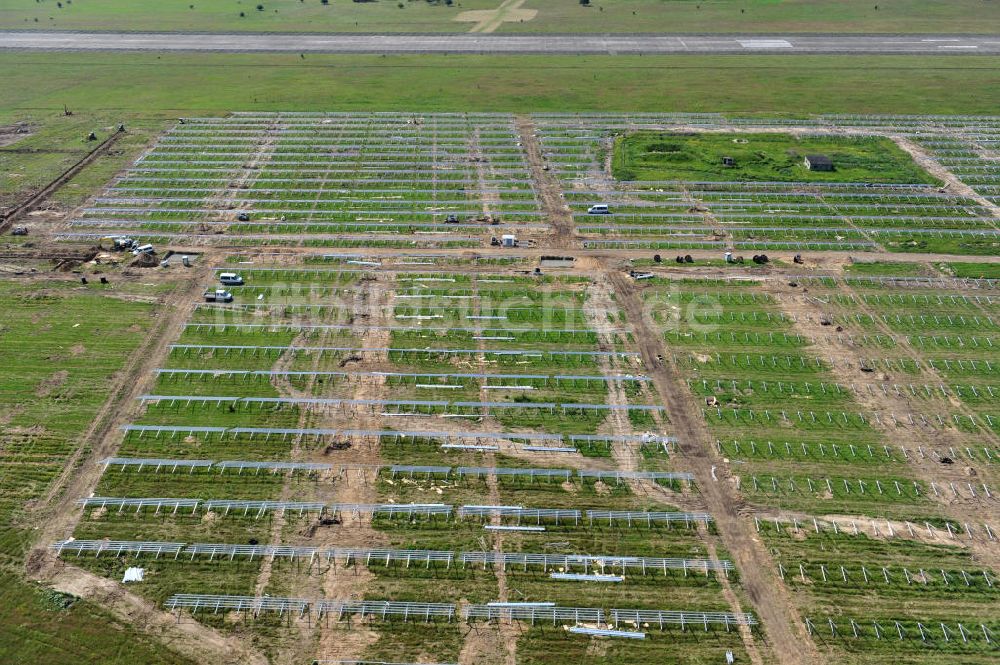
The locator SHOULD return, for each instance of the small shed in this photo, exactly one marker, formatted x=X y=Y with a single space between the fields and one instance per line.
x=819 y=163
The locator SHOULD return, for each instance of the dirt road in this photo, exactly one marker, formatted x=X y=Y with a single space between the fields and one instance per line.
x=547 y=186
x=789 y=642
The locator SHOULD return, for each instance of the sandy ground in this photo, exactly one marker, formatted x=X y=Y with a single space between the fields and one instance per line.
x=488 y=20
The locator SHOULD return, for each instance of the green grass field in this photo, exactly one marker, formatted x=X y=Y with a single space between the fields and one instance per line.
x=761 y=157
x=57 y=142
x=174 y=84
x=973 y=270
x=884 y=269
x=550 y=16
x=224 y=15
x=759 y=16
x=52 y=387
x=47 y=628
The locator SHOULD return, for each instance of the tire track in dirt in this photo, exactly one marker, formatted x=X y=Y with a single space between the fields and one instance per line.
x=283 y=385
x=789 y=642
x=371 y=304
x=36 y=200
x=489 y=200
x=188 y=637
x=547 y=187
x=226 y=199
x=598 y=305
x=711 y=221
x=849 y=221
x=492 y=642
x=491 y=19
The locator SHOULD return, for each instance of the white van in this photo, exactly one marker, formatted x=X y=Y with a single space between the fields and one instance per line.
x=598 y=209
x=143 y=249
x=230 y=279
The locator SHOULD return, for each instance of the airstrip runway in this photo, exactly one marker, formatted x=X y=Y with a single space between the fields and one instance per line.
x=624 y=44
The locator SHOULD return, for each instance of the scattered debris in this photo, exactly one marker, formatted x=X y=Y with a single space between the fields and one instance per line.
x=134 y=574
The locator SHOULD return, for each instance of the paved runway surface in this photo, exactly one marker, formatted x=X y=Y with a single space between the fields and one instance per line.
x=478 y=43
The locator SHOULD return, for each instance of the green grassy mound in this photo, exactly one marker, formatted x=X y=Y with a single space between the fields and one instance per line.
x=761 y=157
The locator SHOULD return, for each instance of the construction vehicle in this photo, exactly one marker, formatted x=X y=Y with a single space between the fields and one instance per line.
x=218 y=295
x=230 y=279
x=120 y=243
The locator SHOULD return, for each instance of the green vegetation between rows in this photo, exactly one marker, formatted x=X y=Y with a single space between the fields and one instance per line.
x=973 y=270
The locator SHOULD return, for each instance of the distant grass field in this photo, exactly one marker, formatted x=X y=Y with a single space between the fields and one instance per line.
x=759 y=16
x=552 y=16
x=761 y=157
x=151 y=84
x=225 y=15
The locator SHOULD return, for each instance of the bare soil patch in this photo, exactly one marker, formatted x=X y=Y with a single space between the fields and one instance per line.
x=48 y=386
x=11 y=134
